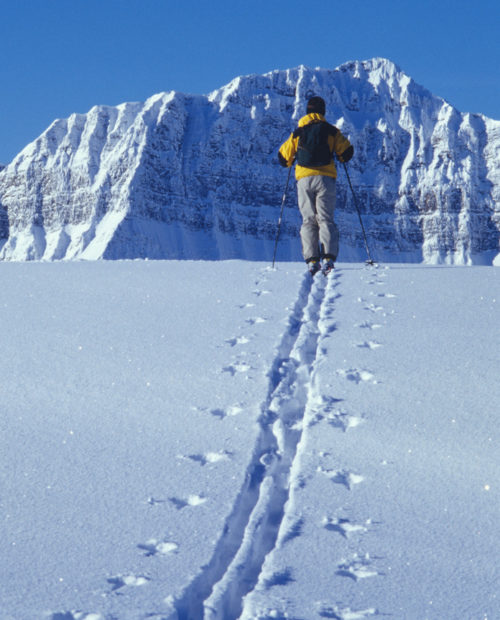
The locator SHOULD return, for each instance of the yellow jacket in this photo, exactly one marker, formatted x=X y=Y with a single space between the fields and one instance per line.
x=338 y=144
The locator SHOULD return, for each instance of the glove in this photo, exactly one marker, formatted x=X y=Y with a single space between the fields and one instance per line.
x=282 y=161
x=346 y=155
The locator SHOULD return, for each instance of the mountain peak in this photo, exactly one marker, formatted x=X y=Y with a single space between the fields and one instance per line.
x=185 y=176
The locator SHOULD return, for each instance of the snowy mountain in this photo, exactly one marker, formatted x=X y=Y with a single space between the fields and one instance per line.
x=185 y=176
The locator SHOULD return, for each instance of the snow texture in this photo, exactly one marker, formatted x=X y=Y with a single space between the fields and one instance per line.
x=185 y=176
x=187 y=439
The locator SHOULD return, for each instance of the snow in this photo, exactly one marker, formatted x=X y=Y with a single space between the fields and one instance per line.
x=189 y=439
x=144 y=180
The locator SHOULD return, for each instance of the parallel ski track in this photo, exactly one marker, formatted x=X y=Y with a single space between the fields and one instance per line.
x=251 y=530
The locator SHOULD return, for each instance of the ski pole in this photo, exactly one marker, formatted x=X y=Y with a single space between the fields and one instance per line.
x=281 y=215
x=370 y=261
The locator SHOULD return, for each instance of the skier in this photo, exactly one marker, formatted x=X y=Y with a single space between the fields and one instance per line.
x=312 y=145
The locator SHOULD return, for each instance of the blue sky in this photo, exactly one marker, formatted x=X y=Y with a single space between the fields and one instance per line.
x=63 y=56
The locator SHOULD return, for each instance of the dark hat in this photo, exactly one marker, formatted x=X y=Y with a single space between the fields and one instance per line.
x=316 y=104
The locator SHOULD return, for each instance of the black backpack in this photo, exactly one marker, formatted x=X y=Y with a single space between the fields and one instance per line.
x=313 y=149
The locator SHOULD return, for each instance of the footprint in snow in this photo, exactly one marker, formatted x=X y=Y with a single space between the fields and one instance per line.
x=369 y=344
x=368 y=325
x=256 y=320
x=357 y=568
x=337 y=419
x=158 y=547
x=191 y=500
x=386 y=295
x=120 y=581
x=325 y=403
x=325 y=408
x=238 y=340
x=343 y=420
x=342 y=476
x=224 y=413
x=344 y=527
x=357 y=376
x=346 y=613
x=233 y=369
x=378 y=279
x=208 y=457
x=373 y=308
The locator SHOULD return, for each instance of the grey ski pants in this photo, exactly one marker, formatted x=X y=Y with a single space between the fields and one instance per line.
x=319 y=233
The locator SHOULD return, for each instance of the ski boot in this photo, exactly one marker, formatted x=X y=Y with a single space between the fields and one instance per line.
x=314 y=266
x=328 y=266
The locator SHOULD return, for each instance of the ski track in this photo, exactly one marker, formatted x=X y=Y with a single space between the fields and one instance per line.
x=259 y=522
x=318 y=408
x=251 y=530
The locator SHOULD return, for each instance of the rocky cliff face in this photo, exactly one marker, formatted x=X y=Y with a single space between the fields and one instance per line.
x=183 y=176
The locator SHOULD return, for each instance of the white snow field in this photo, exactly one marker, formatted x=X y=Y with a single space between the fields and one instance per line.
x=190 y=440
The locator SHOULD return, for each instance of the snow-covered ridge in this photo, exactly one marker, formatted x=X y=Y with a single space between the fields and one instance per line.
x=185 y=176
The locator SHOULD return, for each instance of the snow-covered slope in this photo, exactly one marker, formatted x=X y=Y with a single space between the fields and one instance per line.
x=183 y=176
x=186 y=440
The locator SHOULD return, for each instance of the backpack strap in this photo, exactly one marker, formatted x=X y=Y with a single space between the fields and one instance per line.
x=313 y=148
x=332 y=130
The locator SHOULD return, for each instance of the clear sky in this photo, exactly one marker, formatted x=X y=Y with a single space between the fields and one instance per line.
x=63 y=56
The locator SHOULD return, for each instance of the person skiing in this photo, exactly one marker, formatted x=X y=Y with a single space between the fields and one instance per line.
x=312 y=145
